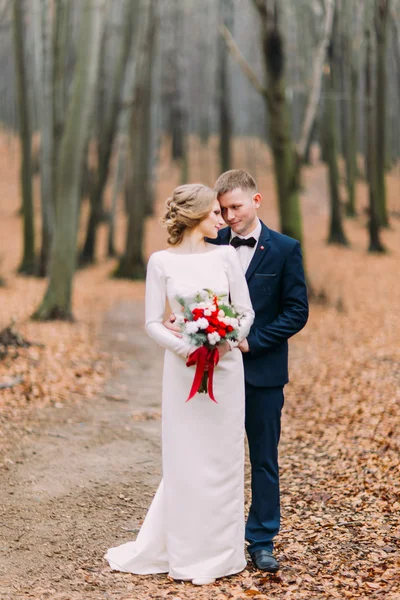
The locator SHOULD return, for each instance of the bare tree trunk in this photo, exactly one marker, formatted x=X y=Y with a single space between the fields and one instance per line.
x=132 y=264
x=313 y=138
x=225 y=118
x=343 y=78
x=177 y=114
x=351 y=160
x=336 y=231
x=287 y=164
x=106 y=140
x=125 y=119
x=117 y=188
x=375 y=244
x=62 y=10
x=314 y=97
x=45 y=92
x=27 y=265
x=381 y=20
x=56 y=303
x=396 y=45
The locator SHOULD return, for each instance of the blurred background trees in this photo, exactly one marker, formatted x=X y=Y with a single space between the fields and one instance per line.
x=99 y=91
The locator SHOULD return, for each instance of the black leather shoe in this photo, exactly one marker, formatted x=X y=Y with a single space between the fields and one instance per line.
x=264 y=561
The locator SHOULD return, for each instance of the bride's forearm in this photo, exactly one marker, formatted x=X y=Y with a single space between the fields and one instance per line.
x=167 y=339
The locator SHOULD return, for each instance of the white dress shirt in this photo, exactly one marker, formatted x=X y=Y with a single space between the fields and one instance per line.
x=246 y=253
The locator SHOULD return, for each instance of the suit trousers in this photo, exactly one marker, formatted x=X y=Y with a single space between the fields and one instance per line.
x=263 y=427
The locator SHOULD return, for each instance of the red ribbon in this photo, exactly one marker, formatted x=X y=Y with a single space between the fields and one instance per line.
x=204 y=359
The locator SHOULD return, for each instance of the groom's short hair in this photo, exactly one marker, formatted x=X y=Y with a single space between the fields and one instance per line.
x=236 y=178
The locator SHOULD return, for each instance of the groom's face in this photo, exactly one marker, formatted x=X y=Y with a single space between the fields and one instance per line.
x=239 y=210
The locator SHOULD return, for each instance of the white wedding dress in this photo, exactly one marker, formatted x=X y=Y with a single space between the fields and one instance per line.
x=195 y=525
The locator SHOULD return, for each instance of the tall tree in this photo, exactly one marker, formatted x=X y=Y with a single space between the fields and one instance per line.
x=173 y=86
x=138 y=187
x=62 y=14
x=43 y=36
x=349 y=36
x=381 y=22
x=286 y=160
x=336 y=231
x=223 y=90
x=56 y=303
x=287 y=157
x=117 y=188
x=315 y=92
x=375 y=244
x=395 y=20
x=352 y=59
x=125 y=118
x=106 y=136
x=27 y=265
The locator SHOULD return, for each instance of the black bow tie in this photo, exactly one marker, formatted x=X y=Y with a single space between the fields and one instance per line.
x=237 y=241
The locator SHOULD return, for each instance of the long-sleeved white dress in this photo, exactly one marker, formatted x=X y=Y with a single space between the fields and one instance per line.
x=195 y=525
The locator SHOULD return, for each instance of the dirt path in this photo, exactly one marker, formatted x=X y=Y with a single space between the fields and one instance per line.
x=79 y=470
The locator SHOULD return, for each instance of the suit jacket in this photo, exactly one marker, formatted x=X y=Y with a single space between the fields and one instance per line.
x=278 y=293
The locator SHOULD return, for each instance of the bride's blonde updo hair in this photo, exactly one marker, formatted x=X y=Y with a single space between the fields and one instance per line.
x=187 y=207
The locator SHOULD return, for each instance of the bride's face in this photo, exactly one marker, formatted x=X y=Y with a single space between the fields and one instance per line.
x=210 y=226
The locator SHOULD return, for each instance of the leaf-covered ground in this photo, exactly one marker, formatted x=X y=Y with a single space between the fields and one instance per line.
x=79 y=434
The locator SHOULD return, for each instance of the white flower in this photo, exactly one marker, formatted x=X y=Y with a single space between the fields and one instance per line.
x=226 y=320
x=191 y=327
x=213 y=338
x=203 y=294
x=234 y=323
x=202 y=323
x=207 y=312
x=221 y=313
x=179 y=318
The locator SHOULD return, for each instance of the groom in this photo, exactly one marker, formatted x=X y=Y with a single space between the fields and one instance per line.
x=273 y=266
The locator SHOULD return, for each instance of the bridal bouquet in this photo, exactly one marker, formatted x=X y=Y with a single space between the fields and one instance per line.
x=204 y=322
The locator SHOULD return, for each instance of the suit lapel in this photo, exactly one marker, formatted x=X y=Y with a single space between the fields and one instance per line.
x=264 y=244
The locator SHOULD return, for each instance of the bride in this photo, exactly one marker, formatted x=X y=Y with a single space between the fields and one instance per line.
x=194 y=529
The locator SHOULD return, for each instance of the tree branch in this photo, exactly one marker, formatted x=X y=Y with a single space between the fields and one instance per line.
x=262 y=8
x=396 y=34
x=314 y=98
x=244 y=65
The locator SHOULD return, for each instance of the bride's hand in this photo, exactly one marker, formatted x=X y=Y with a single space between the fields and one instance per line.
x=172 y=326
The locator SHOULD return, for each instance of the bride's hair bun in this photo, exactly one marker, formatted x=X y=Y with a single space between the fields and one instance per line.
x=186 y=208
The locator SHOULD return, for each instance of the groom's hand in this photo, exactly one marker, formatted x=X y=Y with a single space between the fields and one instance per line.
x=244 y=346
x=223 y=349
x=172 y=326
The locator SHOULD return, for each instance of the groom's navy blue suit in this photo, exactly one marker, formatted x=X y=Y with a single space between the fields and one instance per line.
x=278 y=293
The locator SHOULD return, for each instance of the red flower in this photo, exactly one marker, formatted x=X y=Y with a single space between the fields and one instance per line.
x=221 y=333
x=210 y=329
x=229 y=328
